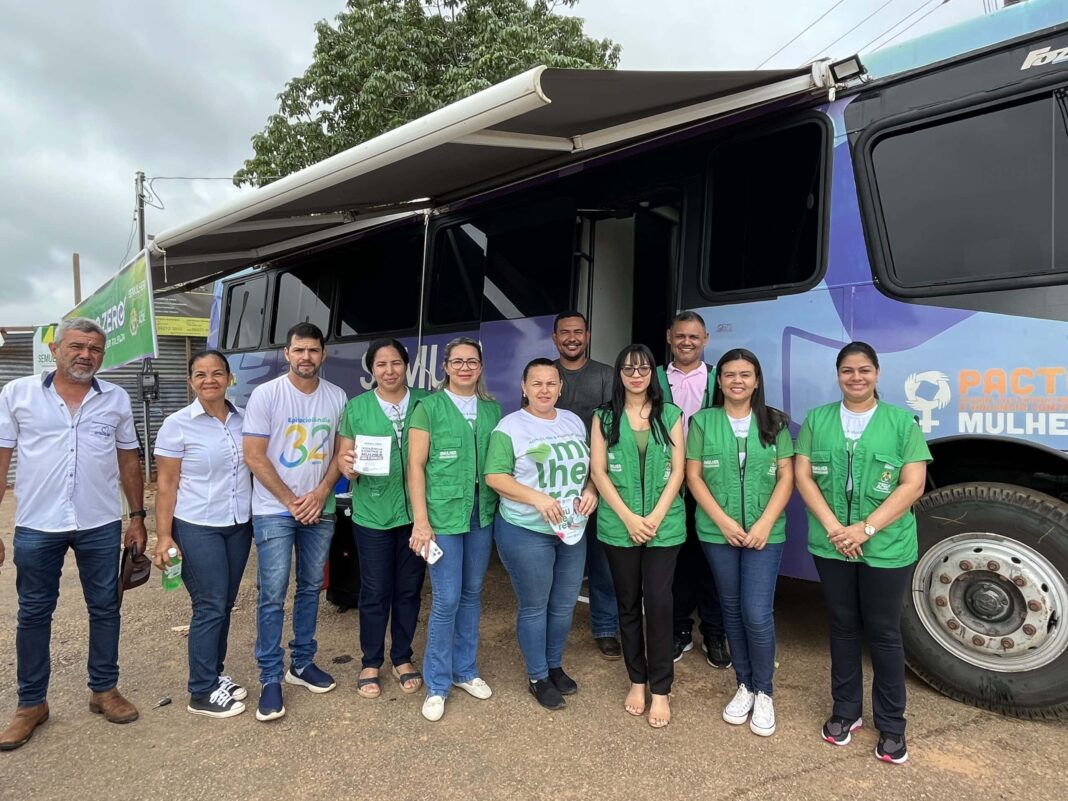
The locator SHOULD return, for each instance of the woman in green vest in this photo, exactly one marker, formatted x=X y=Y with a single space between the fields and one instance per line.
x=391 y=574
x=638 y=462
x=740 y=472
x=861 y=464
x=453 y=507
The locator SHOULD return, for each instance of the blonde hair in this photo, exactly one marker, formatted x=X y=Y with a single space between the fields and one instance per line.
x=480 y=385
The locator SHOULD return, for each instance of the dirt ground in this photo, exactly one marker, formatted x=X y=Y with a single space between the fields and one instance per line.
x=340 y=746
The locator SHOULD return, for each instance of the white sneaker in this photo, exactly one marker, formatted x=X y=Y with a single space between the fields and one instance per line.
x=763 y=721
x=477 y=688
x=737 y=711
x=434 y=707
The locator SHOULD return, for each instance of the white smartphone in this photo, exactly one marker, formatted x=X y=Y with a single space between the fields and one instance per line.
x=432 y=553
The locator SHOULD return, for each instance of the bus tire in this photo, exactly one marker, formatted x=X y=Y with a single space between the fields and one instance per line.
x=986 y=618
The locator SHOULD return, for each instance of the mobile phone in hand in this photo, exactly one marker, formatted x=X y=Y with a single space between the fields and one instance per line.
x=432 y=553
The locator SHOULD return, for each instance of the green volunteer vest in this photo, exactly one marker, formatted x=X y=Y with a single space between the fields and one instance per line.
x=380 y=502
x=743 y=502
x=624 y=472
x=454 y=464
x=878 y=458
x=710 y=387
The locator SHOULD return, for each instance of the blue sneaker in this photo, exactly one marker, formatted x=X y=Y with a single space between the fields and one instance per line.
x=316 y=680
x=271 y=705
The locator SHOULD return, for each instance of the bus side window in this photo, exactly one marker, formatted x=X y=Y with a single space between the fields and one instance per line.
x=302 y=295
x=378 y=283
x=245 y=304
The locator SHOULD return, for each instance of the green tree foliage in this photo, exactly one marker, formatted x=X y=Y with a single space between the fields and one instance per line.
x=386 y=62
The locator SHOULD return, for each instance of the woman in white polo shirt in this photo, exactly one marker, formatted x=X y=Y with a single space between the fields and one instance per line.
x=203 y=509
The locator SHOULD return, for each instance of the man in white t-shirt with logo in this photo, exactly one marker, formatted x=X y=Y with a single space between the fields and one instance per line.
x=290 y=437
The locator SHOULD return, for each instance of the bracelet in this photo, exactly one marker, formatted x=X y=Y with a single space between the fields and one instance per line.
x=139 y=513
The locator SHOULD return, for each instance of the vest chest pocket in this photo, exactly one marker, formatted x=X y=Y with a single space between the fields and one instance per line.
x=446 y=449
x=615 y=464
x=821 y=470
x=885 y=475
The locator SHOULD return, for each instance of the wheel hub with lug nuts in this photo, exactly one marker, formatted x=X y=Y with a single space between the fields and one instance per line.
x=992 y=601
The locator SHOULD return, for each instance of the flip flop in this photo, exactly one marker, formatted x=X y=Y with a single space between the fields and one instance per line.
x=415 y=675
x=370 y=681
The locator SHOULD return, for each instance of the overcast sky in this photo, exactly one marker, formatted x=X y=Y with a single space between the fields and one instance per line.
x=109 y=87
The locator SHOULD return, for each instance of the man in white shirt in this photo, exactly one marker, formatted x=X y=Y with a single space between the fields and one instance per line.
x=76 y=441
x=290 y=438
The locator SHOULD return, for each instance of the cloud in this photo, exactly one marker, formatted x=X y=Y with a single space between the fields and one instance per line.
x=178 y=89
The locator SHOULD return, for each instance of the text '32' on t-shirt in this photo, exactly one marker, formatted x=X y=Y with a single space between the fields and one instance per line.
x=300 y=431
x=550 y=456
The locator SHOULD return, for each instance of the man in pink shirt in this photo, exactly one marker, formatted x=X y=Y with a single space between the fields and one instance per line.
x=689 y=382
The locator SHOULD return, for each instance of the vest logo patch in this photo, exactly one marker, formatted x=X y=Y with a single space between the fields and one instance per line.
x=772 y=469
x=712 y=463
x=615 y=468
x=883 y=484
x=820 y=470
x=448 y=455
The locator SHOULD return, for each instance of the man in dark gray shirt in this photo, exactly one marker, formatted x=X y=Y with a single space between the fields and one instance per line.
x=586 y=385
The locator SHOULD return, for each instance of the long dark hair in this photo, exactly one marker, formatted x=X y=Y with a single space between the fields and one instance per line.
x=377 y=345
x=541 y=361
x=654 y=394
x=864 y=349
x=770 y=421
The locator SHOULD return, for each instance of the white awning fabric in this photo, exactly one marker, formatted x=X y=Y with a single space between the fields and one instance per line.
x=540 y=120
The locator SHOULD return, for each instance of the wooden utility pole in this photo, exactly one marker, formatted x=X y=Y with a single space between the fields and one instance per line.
x=77 y=279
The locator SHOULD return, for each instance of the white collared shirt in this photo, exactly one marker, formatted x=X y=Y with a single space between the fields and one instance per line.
x=68 y=472
x=214 y=485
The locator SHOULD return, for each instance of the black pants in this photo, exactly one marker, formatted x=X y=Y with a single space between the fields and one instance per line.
x=866 y=602
x=644 y=573
x=694 y=587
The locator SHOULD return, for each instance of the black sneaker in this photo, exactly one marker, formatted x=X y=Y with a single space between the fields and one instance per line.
x=562 y=682
x=683 y=643
x=220 y=704
x=717 y=654
x=547 y=694
x=839 y=731
x=891 y=748
x=609 y=647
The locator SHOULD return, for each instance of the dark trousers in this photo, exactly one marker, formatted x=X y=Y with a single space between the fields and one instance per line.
x=391 y=588
x=694 y=586
x=865 y=602
x=39 y=562
x=213 y=562
x=643 y=573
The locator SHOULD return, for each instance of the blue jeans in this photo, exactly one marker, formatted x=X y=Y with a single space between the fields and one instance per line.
x=746 y=581
x=604 y=613
x=39 y=558
x=276 y=536
x=391 y=587
x=456 y=608
x=213 y=561
x=546 y=575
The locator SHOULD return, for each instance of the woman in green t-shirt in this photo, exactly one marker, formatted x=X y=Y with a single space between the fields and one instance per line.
x=539 y=463
x=638 y=462
x=391 y=574
x=860 y=466
x=452 y=506
x=739 y=471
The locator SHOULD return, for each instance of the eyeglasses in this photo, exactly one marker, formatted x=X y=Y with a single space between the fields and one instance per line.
x=470 y=364
x=640 y=369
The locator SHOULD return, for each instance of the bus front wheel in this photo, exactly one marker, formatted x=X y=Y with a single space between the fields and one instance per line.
x=986 y=620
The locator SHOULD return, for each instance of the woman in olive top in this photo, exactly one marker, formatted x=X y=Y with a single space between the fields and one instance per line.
x=638 y=462
x=391 y=574
x=860 y=466
x=539 y=463
x=739 y=471
x=447 y=440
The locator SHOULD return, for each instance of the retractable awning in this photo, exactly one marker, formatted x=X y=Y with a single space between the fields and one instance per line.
x=541 y=119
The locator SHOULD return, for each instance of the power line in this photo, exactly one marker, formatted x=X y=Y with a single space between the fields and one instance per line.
x=916 y=10
x=916 y=21
x=799 y=35
x=844 y=35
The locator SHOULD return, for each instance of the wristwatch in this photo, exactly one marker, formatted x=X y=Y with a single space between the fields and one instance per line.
x=138 y=513
x=869 y=529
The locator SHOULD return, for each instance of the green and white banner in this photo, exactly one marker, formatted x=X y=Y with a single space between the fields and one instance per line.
x=123 y=308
